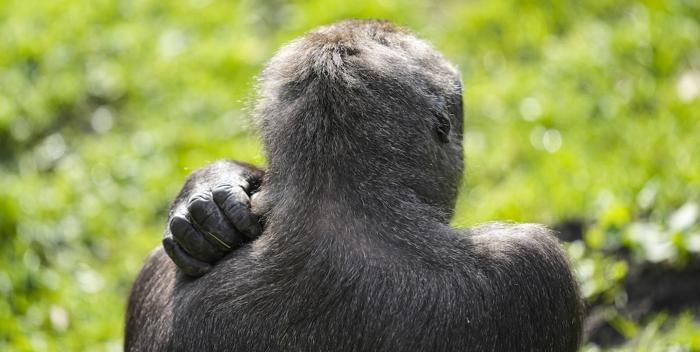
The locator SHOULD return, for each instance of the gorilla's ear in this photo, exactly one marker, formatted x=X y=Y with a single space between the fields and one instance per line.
x=443 y=126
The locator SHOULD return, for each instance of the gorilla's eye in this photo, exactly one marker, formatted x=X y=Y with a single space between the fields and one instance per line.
x=443 y=126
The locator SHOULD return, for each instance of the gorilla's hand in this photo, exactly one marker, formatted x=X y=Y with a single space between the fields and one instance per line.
x=211 y=216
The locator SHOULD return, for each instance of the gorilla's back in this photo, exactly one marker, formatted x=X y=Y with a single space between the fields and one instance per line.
x=330 y=298
x=247 y=303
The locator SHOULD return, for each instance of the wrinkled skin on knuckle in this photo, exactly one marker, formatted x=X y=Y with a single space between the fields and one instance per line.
x=193 y=241
x=235 y=203
x=214 y=222
x=200 y=208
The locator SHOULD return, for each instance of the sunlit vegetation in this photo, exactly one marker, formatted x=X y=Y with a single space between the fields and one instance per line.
x=586 y=113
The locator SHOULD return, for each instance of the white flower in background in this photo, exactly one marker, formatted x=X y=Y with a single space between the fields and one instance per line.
x=688 y=86
x=655 y=242
x=684 y=217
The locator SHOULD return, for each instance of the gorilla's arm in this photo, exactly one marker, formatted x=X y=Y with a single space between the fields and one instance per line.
x=528 y=259
x=211 y=215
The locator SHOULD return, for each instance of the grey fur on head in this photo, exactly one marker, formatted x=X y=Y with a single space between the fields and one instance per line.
x=365 y=99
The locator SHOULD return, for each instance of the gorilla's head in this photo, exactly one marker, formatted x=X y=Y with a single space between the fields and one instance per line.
x=363 y=106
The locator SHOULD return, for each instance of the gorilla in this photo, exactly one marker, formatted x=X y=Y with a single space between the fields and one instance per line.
x=352 y=251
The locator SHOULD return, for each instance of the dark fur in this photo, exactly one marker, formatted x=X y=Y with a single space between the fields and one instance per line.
x=362 y=125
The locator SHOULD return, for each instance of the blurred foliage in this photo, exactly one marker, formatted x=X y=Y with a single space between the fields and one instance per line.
x=574 y=110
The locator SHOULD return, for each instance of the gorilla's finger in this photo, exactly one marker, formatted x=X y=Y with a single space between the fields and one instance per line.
x=213 y=224
x=235 y=203
x=192 y=241
x=189 y=265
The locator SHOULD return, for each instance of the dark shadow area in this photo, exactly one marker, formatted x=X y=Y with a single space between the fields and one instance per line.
x=648 y=288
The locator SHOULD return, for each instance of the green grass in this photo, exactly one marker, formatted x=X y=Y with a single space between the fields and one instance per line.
x=573 y=110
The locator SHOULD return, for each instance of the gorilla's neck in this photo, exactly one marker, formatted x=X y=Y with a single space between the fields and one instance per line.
x=332 y=200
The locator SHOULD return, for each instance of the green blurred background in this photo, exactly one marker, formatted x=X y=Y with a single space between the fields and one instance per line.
x=580 y=115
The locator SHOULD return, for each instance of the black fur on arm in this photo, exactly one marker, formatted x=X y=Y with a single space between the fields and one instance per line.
x=528 y=259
